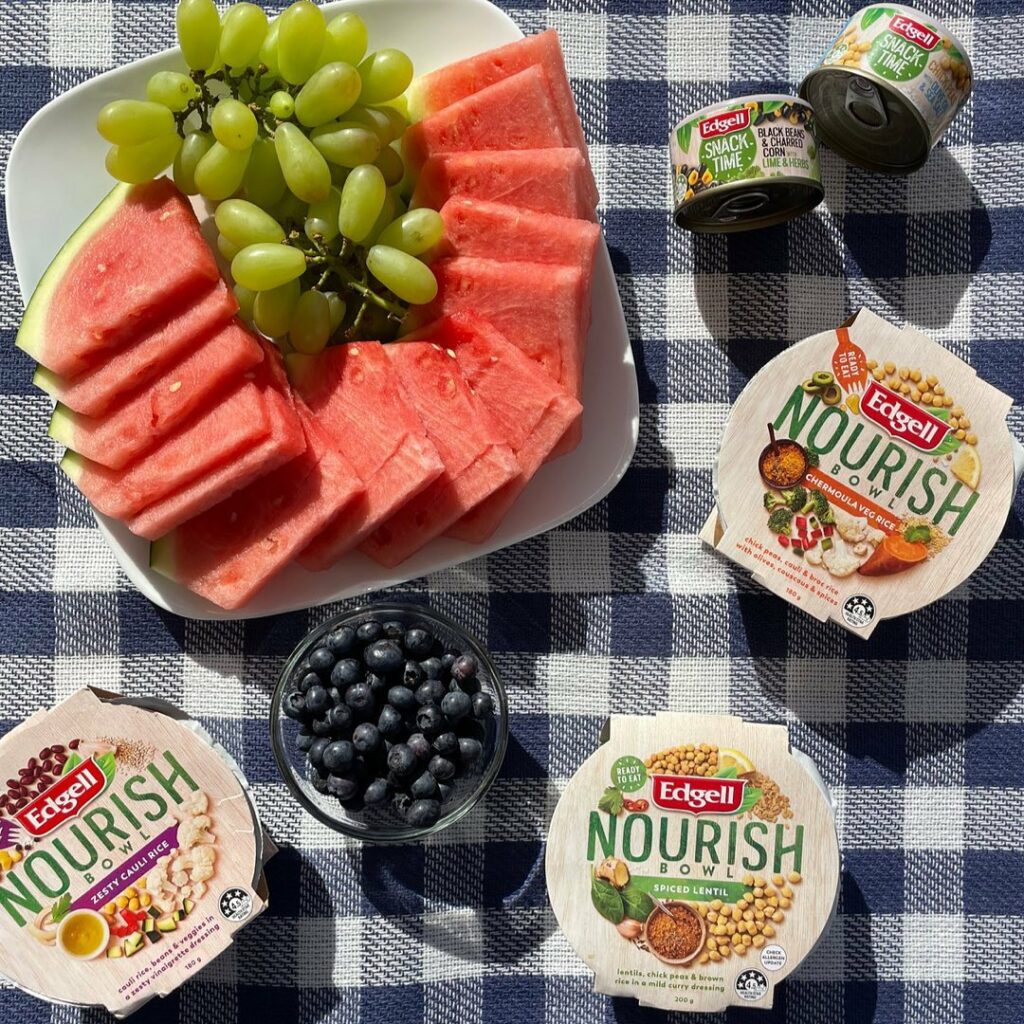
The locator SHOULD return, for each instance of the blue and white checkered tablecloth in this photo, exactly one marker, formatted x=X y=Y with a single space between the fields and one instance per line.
x=919 y=733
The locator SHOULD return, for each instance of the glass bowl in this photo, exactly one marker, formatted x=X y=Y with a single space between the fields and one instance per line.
x=381 y=824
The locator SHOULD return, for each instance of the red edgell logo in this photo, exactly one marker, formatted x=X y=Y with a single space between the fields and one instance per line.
x=65 y=799
x=697 y=794
x=914 y=31
x=722 y=124
x=902 y=419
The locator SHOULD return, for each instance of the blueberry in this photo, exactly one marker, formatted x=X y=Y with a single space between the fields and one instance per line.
x=402 y=698
x=390 y=723
x=316 y=751
x=338 y=756
x=469 y=750
x=470 y=686
x=444 y=790
x=369 y=631
x=430 y=692
x=366 y=738
x=359 y=697
x=322 y=727
x=430 y=720
x=340 y=717
x=384 y=656
x=377 y=791
x=483 y=705
x=294 y=704
x=432 y=668
x=456 y=705
x=319 y=783
x=464 y=668
x=317 y=700
x=447 y=744
x=417 y=643
x=341 y=641
x=393 y=629
x=401 y=803
x=322 y=661
x=423 y=813
x=441 y=768
x=423 y=786
x=378 y=685
x=346 y=672
x=420 y=746
x=447 y=660
x=304 y=740
x=342 y=787
x=401 y=760
x=413 y=674
x=308 y=680
x=301 y=669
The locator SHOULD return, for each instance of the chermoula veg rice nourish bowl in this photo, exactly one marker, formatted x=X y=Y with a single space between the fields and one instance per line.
x=132 y=853
x=692 y=861
x=907 y=481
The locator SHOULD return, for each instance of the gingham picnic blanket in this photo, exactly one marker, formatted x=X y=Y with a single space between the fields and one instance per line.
x=919 y=732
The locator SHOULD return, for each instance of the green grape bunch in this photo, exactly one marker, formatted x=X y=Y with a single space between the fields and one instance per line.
x=293 y=130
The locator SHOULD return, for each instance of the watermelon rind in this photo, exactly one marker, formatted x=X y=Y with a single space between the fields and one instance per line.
x=62 y=426
x=73 y=464
x=161 y=556
x=46 y=380
x=32 y=335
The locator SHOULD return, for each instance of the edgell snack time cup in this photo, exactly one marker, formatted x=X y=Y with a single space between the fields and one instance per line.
x=907 y=476
x=888 y=88
x=126 y=815
x=746 y=163
x=693 y=862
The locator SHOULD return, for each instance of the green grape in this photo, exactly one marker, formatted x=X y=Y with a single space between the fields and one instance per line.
x=198 y=33
x=246 y=298
x=336 y=305
x=268 y=51
x=242 y=33
x=263 y=182
x=171 y=89
x=385 y=74
x=396 y=120
x=328 y=93
x=282 y=105
x=311 y=323
x=129 y=122
x=362 y=197
x=135 y=164
x=234 y=124
x=322 y=218
x=376 y=120
x=193 y=149
x=346 y=144
x=391 y=165
x=411 y=280
x=300 y=41
x=227 y=248
x=305 y=170
x=414 y=232
x=220 y=171
x=345 y=40
x=245 y=223
x=267 y=265
x=384 y=218
x=272 y=310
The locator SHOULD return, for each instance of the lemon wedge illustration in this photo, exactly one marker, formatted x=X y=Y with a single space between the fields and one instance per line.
x=734 y=759
x=967 y=466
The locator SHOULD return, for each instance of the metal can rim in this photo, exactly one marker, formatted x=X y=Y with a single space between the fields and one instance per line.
x=815 y=194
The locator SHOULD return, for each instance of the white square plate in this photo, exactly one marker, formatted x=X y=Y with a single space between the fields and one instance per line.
x=55 y=177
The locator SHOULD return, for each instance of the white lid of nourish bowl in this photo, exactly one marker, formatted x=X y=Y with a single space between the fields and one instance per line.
x=719 y=821
x=910 y=450
x=143 y=809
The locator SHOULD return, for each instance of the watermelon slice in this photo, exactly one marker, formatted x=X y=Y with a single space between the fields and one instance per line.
x=284 y=441
x=237 y=423
x=235 y=548
x=94 y=392
x=448 y=85
x=476 y=460
x=361 y=404
x=531 y=411
x=134 y=260
x=515 y=113
x=139 y=424
x=544 y=180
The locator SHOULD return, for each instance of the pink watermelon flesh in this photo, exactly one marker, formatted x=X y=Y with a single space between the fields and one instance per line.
x=361 y=404
x=530 y=410
x=237 y=423
x=139 y=424
x=138 y=269
x=448 y=85
x=516 y=113
x=284 y=441
x=234 y=549
x=476 y=460
x=95 y=391
x=544 y=180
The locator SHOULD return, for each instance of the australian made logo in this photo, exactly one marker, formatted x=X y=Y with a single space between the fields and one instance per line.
x=914 y=32
x=698 y=794
x=64 y=800
x=902 y=419
x=723 y=124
